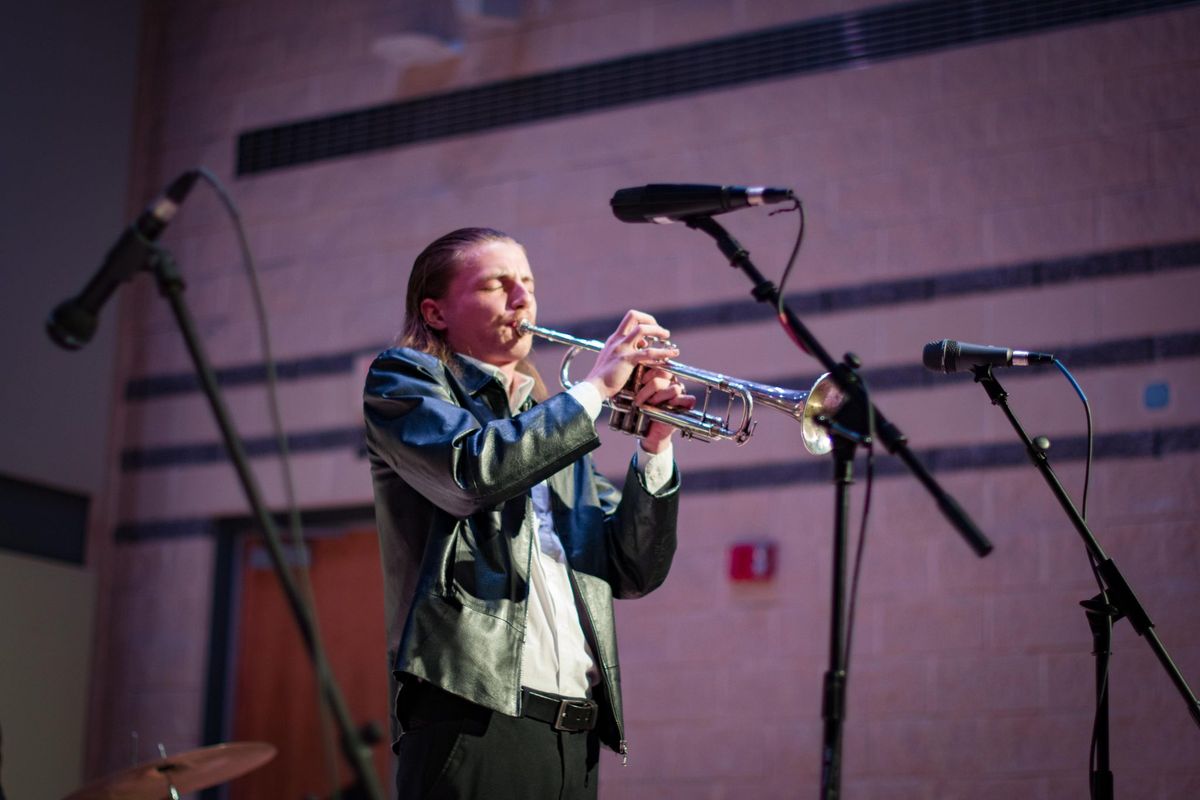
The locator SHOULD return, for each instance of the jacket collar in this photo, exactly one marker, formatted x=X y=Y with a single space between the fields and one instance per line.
x=482 y=375
x=473 y=379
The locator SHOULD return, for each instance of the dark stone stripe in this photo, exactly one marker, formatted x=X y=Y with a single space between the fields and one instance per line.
x=227 y=528
x=1033 y=274
x=856 y=38
x=1152 y=443
x=903 y=376
x=246 y=374
x=134 y=459
x=1115 y=352
x=926 y=289
x=166 y=529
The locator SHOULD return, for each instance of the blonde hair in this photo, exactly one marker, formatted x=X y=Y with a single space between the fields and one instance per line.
x=432 y=273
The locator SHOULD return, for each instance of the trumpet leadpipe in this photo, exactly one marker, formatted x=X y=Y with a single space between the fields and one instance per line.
x=558 y=337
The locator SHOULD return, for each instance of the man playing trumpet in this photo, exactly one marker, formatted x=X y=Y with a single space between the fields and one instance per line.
x=502 y=546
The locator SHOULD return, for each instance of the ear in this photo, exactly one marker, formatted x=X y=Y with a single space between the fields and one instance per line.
x=431 y=312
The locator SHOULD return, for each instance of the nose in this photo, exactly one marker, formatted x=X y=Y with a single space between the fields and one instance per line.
x=518 y=296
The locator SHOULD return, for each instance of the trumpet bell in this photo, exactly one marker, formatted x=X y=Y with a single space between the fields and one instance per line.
x=824 y=399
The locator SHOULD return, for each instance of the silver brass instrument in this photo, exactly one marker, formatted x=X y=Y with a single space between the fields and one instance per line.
x=822 y=400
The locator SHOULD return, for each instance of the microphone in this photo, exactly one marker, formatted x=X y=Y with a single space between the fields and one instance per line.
x=951 y=356
x=73 y=322
x=669 y=202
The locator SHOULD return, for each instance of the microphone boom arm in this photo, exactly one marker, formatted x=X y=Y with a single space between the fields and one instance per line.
x=847 y=380
x=852 y=413
x=1120 y=593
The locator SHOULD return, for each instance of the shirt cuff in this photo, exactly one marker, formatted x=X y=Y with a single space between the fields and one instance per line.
x=589 y=397
x=656 y=468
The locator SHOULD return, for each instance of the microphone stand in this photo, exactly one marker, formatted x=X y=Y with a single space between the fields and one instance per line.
x=833 y=695
x=356 y=751
x=850 y=417
x=1116 y=598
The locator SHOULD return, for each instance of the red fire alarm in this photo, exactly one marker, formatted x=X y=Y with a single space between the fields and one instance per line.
x=752 y=561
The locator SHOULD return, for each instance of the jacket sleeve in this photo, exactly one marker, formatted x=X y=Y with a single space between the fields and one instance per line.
x=417 y=427
x=641 y=532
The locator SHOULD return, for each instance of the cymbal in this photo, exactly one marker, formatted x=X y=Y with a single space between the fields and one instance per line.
x=190 y=771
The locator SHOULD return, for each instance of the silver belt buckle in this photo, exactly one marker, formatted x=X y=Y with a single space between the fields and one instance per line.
x=563 y=705
x=562 y=713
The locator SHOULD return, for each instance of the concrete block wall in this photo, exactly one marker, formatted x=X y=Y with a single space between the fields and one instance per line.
x=970 y=677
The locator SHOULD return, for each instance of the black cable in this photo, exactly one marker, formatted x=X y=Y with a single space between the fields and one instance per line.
x=327 y=736
x=851 y=604
x=856 y=572
x=787 y=269
x=1102 y=692
x=1087 y=410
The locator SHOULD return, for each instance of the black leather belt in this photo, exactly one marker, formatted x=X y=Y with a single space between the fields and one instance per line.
x=564 y=713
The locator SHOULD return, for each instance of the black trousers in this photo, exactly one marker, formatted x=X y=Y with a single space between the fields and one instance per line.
x=452 y=749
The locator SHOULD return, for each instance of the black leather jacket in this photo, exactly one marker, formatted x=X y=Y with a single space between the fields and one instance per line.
x=452 y=469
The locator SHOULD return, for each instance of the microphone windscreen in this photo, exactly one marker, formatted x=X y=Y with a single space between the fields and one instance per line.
x=70 y=325
x=941 y=356
x=627 y=204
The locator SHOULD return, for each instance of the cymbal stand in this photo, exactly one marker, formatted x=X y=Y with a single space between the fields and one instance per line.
x=172 y=792
x=354 y=748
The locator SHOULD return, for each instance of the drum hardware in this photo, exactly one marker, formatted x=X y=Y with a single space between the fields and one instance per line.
x=174 y=776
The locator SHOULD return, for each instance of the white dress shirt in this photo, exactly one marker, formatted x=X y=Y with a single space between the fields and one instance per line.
x=557 y=657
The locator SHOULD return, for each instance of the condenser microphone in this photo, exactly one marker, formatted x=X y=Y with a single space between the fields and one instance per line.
x=670 y=202
x=951 y=356
x=73 y=322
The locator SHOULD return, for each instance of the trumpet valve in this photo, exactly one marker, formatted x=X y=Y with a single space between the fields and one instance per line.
x=654 y=341
x=623 y=414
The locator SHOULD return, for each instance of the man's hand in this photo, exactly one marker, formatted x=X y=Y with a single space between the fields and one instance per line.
x=625 y=349
x=662 y=389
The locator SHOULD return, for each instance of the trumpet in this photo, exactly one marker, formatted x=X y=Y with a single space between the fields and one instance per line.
x=808 y=408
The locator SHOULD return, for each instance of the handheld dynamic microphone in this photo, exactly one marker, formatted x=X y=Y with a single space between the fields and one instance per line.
x=951 y=356
x=669 y=202
x=73 y=322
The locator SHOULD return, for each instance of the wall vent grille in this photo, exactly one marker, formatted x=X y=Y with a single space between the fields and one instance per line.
x=845 y=40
